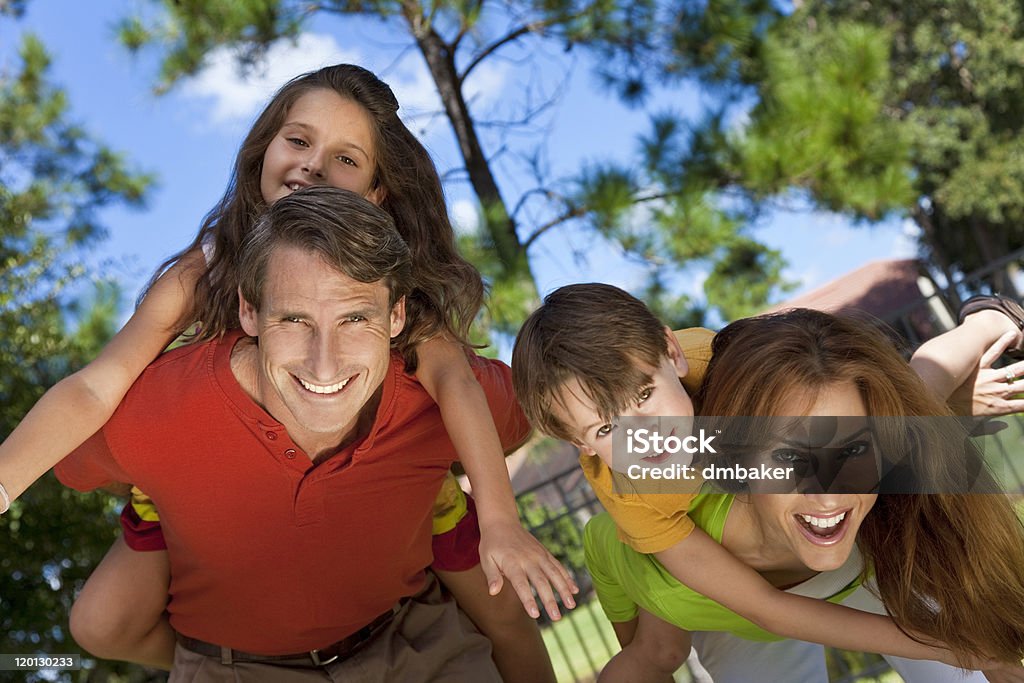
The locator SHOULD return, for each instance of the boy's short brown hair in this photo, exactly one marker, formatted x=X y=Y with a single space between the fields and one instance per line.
x=599 y=335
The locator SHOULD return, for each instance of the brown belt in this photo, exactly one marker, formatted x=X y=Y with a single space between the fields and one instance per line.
x=339 y=651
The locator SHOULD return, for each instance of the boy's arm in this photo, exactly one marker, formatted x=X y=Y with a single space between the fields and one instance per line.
x=505 y=547
x=80 y=404
x=705 y=566
x=951 y=363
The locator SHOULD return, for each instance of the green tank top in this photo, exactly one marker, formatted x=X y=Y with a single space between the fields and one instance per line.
x=690 y=610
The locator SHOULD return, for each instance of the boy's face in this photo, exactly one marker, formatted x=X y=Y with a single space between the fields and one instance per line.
x=662 y=401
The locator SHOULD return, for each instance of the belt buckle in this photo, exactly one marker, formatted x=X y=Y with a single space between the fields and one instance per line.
x=315 y=656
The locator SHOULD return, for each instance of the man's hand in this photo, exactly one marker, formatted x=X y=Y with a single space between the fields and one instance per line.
x=506 y=548
x=988 y=391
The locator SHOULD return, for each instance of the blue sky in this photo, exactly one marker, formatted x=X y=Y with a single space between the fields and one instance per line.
x=189 y=137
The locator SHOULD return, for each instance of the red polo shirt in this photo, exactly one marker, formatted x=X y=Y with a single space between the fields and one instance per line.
x=268 y=552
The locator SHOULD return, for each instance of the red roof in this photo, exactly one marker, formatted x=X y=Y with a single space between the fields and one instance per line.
x=880 y=288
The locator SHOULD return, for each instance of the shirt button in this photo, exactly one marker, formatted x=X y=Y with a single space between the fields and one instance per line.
x=290 y=453
x=271 y=435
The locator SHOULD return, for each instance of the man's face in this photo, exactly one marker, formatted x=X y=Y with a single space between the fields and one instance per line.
x=324 y=346
x=664 y=402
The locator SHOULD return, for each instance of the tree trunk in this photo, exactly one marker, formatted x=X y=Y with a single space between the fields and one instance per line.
x=497 y=221
x=937 y=254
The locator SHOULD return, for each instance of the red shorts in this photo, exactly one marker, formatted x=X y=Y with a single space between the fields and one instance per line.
x=139 y=534
x=459 y=549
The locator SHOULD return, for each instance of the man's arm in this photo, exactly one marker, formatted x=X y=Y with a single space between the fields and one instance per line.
x=92 y=466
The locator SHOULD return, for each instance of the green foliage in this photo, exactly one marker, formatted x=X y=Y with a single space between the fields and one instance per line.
x=54 y=179
x=820 y=123
x=555 y=528
x=912 y=109
x=192 y=28
x=742 y=280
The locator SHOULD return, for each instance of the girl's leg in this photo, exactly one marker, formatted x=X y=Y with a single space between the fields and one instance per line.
x=652 y=650
x=120 y=612
x=518 y=648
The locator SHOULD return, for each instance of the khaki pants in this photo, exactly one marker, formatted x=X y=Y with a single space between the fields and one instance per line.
x=428 y=640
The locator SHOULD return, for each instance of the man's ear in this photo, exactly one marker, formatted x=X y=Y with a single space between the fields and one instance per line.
x=675 y=353
x=397 y=317
x=247 y=315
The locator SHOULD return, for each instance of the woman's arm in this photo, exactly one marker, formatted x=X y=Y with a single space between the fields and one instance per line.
x=705 y=566
x=79 y=405
x=505 y=547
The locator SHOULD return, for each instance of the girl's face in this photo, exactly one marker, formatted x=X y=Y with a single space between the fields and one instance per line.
x=325 y=139
x=818 y=530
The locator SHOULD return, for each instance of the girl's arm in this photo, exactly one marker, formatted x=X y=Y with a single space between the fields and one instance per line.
x=705 y=566
x=80 y=404
x=505 y=547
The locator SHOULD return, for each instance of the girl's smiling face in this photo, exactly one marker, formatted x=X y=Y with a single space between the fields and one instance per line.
x=325 y=139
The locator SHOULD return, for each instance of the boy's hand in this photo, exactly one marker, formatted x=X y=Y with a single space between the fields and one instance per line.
x=988 y=391
x=506 y=548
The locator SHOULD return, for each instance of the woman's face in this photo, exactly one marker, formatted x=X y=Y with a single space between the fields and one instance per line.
x=819 y=529
x=325 y=139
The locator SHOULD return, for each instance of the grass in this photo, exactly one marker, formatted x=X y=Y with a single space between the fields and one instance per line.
x=582 y=642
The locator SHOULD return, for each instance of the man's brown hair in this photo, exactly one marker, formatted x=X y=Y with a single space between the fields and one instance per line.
x=604 y=338
x=350 y=233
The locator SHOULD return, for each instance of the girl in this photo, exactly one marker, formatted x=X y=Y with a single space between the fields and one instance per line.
x=337 y=126
x=948 y=567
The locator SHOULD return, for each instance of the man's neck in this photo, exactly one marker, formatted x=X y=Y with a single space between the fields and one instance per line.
x=245 y=368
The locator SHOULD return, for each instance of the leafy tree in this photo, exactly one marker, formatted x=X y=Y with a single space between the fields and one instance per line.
x=54 y=179
x=641 y=209
x=877 y=109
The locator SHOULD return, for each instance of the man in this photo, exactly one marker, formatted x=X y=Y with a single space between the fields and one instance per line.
x=295 y=466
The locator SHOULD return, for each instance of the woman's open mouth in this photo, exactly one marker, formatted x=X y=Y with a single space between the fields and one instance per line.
x=823 y=529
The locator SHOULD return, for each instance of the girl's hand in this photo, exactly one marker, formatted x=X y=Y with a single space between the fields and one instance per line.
x=506 y=548
x=988 y=391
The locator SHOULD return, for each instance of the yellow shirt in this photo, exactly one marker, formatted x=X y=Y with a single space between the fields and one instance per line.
x=650 y=523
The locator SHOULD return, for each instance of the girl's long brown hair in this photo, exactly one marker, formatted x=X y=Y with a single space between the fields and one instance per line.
x=448 y=290
x=949 y=567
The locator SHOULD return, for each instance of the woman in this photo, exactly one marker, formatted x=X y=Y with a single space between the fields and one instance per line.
x=923 y=550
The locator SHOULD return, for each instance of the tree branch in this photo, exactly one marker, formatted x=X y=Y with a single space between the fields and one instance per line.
x=574 y=212
x=578 y=212
x=498 y=44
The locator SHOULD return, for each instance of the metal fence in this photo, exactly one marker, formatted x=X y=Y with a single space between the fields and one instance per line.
x=556 y=510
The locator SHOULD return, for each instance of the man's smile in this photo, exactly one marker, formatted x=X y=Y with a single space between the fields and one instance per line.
x=324 y=388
